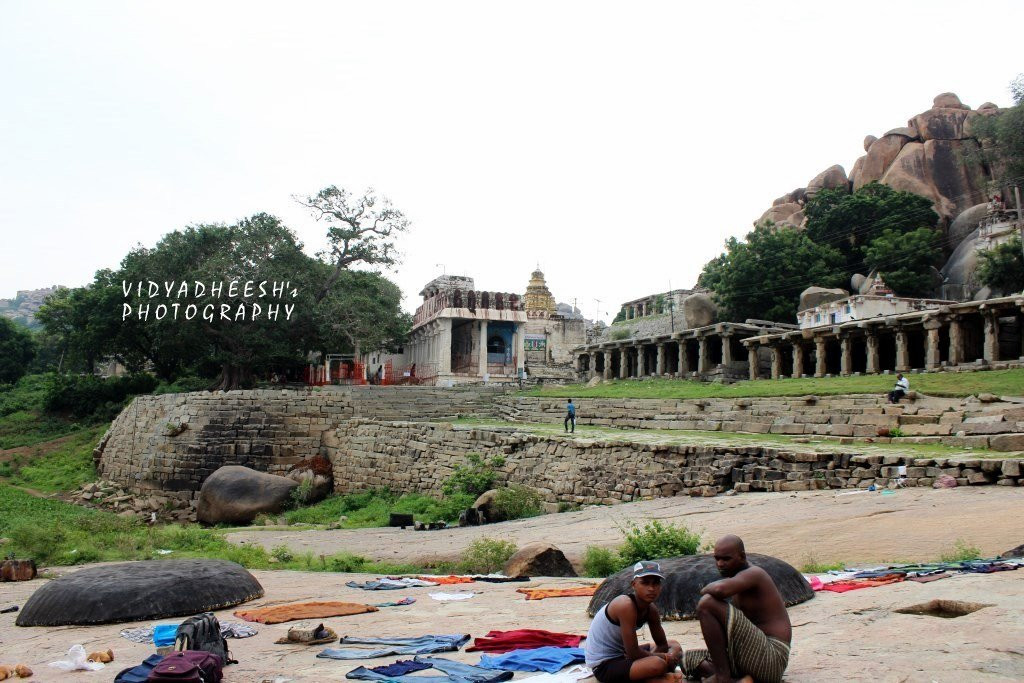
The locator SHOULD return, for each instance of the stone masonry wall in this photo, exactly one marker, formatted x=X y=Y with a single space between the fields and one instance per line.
x=418 y=457
x=956 y=422
x=144 y=449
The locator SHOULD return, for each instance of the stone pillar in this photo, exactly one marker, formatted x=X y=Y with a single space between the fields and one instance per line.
x=991 y=349
x=726 y=349
x=956 y=342
x=703 y=357
x=902 y=352
x=445 y=338
x=752 y=361
x=483 y=348
x=932 y=355
x=641 y=361
x=798 y=359
x=819 y=359
x=684 y=358
x=607 y=364
x=776 y=362
x=659 y=368
x=623 y=362
x=845 y=359
x=871 y=349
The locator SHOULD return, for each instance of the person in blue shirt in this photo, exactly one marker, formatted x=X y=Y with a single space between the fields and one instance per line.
x=570 y=417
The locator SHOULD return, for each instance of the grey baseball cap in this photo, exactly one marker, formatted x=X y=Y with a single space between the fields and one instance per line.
x=647 y=568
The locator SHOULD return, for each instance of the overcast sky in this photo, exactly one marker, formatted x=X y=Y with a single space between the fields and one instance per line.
x=616 y=144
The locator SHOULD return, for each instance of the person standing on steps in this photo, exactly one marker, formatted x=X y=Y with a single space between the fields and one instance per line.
x=570 y=417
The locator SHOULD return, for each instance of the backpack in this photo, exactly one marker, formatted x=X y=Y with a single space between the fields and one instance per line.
x=202 y=633
x=188 y=666
x=140 y=672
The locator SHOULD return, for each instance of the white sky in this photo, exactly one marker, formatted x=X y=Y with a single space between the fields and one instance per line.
x=618 y=144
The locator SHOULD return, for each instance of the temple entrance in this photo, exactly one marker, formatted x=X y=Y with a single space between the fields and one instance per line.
x=463 y=359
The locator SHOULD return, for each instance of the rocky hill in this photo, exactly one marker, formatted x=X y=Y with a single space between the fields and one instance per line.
x=22 y=308
x=935 y=155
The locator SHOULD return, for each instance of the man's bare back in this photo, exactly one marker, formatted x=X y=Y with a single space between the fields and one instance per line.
x=762 y=604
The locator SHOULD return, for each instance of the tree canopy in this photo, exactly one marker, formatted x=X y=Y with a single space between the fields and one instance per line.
x=238 y=300
x=1002 y=268
x=17 y=349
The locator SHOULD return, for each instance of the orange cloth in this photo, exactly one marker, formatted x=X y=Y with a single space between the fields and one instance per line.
x=541 y=593
x=855 y=584
x=443 y=580
x=303 y=610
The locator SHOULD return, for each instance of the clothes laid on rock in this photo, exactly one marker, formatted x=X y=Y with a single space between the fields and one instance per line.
x=140 y=672
x=549 y=659
x=852 y=579
x=451 y=597
x=158 y=634
x=385 y=647
x=570 y=675
x=279 y=614
x=856 y=584
x=390 y=584
x=446 y=580
x=400 y=668
x=400 y=603
x=541 y=593
x=522 y=639
x=454 y=672
x=750 y=651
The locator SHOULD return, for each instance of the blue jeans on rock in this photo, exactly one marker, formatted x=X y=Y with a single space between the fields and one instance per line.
x=455 y=672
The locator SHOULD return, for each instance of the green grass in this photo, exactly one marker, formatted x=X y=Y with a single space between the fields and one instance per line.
x=999 y=382
x=372 y=509
x=63 y=468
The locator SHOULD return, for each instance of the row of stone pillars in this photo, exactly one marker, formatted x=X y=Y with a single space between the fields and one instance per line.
x=690 y=355
x=874 y=349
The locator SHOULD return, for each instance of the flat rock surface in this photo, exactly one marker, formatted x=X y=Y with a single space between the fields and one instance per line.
x=854 y=636
x=913 y=525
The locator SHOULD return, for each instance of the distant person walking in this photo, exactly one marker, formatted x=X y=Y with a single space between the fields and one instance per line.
x=900 y=390
x=570 y=417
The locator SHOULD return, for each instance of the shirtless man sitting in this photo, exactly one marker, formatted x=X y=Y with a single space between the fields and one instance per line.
x=744 y=622
x=612 y=650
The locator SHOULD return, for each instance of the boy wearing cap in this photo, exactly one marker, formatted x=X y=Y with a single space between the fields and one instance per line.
x=612 y=650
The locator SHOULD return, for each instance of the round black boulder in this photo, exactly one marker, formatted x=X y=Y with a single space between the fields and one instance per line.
x=136 y=591
x=686 y=576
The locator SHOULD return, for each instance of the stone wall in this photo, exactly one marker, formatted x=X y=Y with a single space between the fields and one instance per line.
x=146 y=448
x=418 y=457
x=953 y=421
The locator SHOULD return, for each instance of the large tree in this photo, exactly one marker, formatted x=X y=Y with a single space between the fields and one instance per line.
x=1002 y=268
x=762 y=276
x=852 y=222
x=907 y=260
x=17 y=349
x=1002 y=137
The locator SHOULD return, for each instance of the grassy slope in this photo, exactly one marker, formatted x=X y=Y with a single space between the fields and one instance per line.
x=999 y=382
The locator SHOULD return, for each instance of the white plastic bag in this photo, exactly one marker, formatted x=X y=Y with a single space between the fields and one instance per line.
x=77 y=659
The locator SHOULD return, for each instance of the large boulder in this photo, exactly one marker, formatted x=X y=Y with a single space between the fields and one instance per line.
x=538 y=559
x=235 y=495
x=879 y=157
x=699 y=310
x=686 y=576
x=944 y=121
x=965 y=223
x=486 y=506
x=908 y=171
x=139 y=591
x=832 y=178
x=812 y=297
x=782 y=214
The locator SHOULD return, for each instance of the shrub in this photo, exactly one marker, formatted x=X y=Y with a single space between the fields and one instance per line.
x=486 y=555
x=961 y=552
x=183 y=385
x=656 y=540
x=896 y=432
x=282 y=553
x=301 y=494
x=517 y=502
x=601 y=562
x=619 y=334
x=86 y=396
x=474 y=478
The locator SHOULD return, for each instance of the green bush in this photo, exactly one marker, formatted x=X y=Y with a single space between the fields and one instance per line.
x=486 y=555
x=620 y=334
x=474 y=478
x=282 y=553
x=516 y=502
x=961 y=552
x=601 y=562
x=656 y=540
x=183 y=385
x=301 y=494
x=86 y=396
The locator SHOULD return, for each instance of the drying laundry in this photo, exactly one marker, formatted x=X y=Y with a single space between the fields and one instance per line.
x=400 y=668
x=547 y=659
x=855 y=584
x=385 y=647
x=450 y=597
x=390 y=584
x=303 y=610
x=523 y=639
x=541 y=593
x=570 y=675
x=455 y=672
x=146 y=634
x=400 y=603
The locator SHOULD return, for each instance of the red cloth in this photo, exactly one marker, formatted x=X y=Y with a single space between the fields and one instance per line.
x=854 y=584
x=523 y=639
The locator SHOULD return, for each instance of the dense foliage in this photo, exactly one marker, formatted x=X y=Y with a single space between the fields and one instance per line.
x=1002 y=268
x=17 y=349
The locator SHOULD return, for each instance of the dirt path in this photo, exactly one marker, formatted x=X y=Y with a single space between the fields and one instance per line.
x=908 y=524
